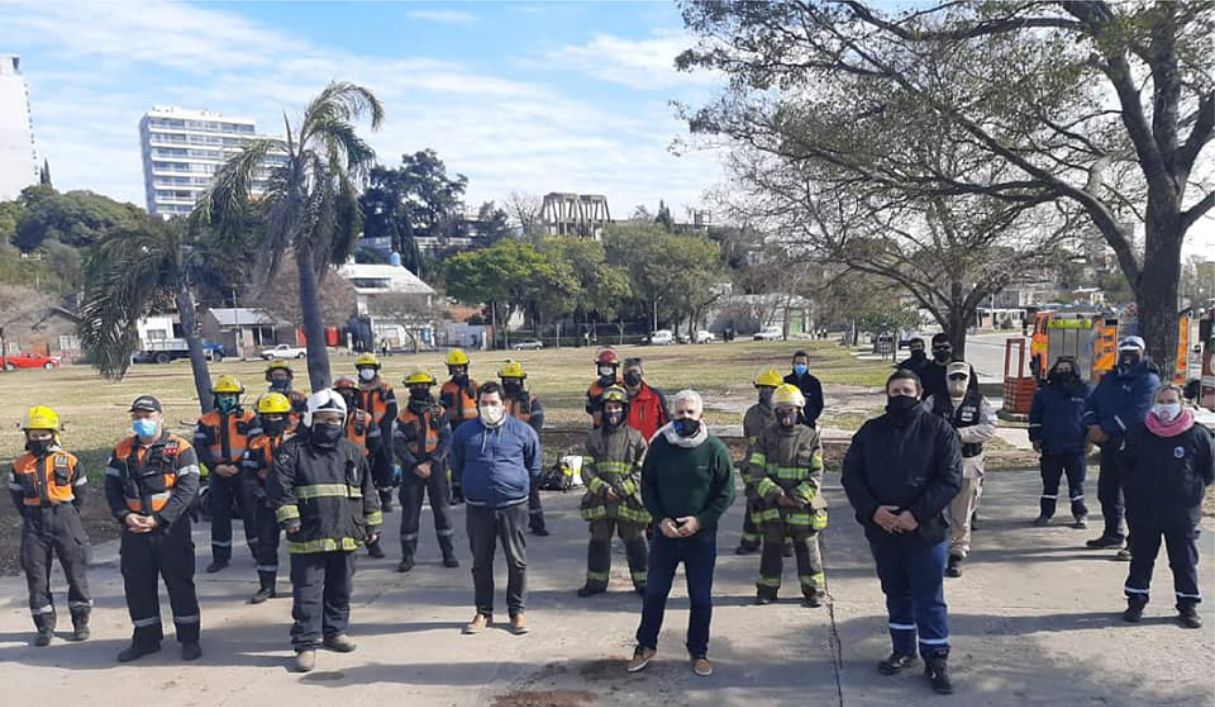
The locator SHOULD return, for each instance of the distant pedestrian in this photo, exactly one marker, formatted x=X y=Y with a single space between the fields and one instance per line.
x=917 y=358
x=1056 y=429
x=811 y=388
x=932 y=373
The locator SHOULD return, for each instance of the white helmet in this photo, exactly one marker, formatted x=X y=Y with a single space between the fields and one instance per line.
x=326 y=399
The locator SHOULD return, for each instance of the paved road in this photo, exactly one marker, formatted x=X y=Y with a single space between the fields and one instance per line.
x=986 y=353
x=1034 y=623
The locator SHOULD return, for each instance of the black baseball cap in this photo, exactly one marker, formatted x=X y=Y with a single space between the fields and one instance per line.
x=146 y=403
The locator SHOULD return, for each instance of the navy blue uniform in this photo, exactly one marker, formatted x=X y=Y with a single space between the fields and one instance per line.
x=1056 y=422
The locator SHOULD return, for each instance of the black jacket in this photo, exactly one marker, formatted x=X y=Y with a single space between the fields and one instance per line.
x=328 y=491
x=914 y=463
x=1168 y=476
x=812 y=391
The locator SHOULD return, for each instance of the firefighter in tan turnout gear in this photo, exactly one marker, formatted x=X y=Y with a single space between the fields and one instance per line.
x=757 y=417
x=611 y=472
x=787 y=471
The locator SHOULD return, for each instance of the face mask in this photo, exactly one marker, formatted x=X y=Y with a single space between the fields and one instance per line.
x=144 y=427
x=613 y=419
x=607 y=372
x=348 y=397
x=956 y=387
x=367 y=374
x=226 y=403
x=325 y=435
x=1065 y=377
x=1167 y=412
x=899 y=405
x=765 y=396
x=273 y=428
x=419 y=394
x=632 y=379
x=39 y=446
x=493 y=416
x=787 y=418
x=460 y=379
x=800 y=369
x=687 y=427
x=918 y=354
x=280 y=386
x=1126 y=360
x=942 y=355
x=512 y=384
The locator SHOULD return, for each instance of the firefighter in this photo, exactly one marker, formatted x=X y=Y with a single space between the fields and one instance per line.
x=458 y=396
x=281 y=379
x=324 y=497
x=274 y=412
x=647 y=405
x=611 y=472
x=47 y=486
x=150 y=482
x=757 y=417
x=359 y=423
x=422 y=441
x=377 y=398
x=525 y=406
x=606 y=365
x=787 y=473
x=975 y=421
x=221 y=438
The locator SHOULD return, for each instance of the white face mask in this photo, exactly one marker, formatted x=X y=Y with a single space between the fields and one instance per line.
x=492 y=414
x=367 y=374
x=1167 y=412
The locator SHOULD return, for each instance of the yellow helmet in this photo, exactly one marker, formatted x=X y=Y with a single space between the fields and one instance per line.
x=273 y=404
x=279 y=366
x=366 y=359
x=419 y=376
x=770 y=378
x=512 y=369
x=227 y=384
x=457 y=357
x=788 y=395
x=41 y=417
x=615 y=394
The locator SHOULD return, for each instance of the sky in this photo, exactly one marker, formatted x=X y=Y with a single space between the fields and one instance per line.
x=528 y=97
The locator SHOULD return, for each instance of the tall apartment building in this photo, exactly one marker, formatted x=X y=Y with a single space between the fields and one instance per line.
x=18 y=153
x=182 y=151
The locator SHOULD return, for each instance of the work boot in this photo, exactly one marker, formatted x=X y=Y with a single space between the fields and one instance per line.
x=216 y=566
x=262 y=595
x=405 y=565
x=478 y=624
x=1081 y=523
x=136 y=651
x=80 y=624
x=191 y=651
x=641 y=658
x=936 y=671
x=374 y=550
x=450 y=561
x=305 y=661
x=518 y=624
x=540 y=531
x=746 y=549
x=1134 y=609
x=386 y=500
x=340 y=642
x=764 y=598
x=813 y=600
x=1103 y=542
x=80 y=632
x=1123 y=555
x=896 y=663
x=1188 y=617
x=45 y=625
x=43 y=637
x=590 y=590
x=1041 y=521
x=974 y=520
x=954 y=568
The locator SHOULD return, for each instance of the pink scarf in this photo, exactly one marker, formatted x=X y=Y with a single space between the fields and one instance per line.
x=1180 y=424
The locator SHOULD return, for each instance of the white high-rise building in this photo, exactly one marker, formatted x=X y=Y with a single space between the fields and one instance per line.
x=18 y=153
x=182 y=151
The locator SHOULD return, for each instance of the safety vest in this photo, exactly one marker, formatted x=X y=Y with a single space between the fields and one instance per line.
x=226 y=436
x=358 y=422
x=461 y=403
x=592 y=401
x=425 y=427
x=262 y=450
x=375 y=400
x=148 y=474
x=967 y=414
x=46 y=481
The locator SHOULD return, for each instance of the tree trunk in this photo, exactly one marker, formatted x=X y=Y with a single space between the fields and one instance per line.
x=1156 y=293
x=493 y=326
x=198 y=360
x=314 y=328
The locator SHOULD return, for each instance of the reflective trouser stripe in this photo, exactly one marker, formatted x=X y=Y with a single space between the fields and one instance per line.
x=443 y=533
x=267 y=568
x=192 y=619
x=902 y=627
x=48 y=609
x=935 y=641
x=1133 y=590
x=144 y=623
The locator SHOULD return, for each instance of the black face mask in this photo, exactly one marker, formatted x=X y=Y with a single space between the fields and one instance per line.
x=632 y=379
x=1127 y=360
x=39 y=447
x=613 y=419
x=942 y=355
x=765 y=396
x=918 y=354
x=901 y=405
x=323 y=435
x=687 y=427
x=274 y=428
x=512 y=385
x=419 y=394
x=1064 y=377
x=460 y=379
x=787 y=418
x=348 y=396
x=280 y=386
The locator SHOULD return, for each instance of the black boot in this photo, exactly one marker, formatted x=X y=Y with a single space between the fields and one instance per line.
x=216 y=566
x=896 y=663
x=590 y=590
x=450 y=561
x=1187 y=616
x=813 y=600
x=954 y=568
x=80 y=624
x=386 y=500
x=1134 y=609
x=45 y=624
x=405 y=565
x=266 y=592
x=765 y=597
x=539 y=531
x=937 y=672
x=375 y=551
x=746 y=549
x=137 y=650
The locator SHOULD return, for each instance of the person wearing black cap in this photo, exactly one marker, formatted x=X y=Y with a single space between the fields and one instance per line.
x=150 y=482
x=932 y=373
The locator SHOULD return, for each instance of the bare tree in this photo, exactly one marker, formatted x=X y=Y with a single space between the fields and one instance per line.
x=409 y=311
x=525 y=211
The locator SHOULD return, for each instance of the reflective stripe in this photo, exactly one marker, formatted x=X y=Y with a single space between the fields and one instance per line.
x=639 y=576
x=79 y=604
x=111 y=471
x=1052 y=498
x=813 y=581
x=1078 y=498
x=310 y=491
x=1188 y=596
x=901 y=627
x=193 y=619
x=374 y=518
x=323 y=545
x=597 y=576
x=1034 y=424
x=267 y=568
x=935 y=641
x=144 y=623
x=221 y=543
x=1132 y=590
x=443 y=533
x=758 y=459
x=250 y=541
x=187 y=470
x=48 y=609
x=768 y=581
x=409 y=536
x=285 y=513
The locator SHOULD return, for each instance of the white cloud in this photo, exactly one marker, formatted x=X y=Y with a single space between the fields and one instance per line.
x=446 y=17
x=645 y=64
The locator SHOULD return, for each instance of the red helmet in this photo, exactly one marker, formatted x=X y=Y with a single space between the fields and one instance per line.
x=607 y=357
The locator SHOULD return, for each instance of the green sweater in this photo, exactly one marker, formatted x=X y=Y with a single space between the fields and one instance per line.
x=677 y=481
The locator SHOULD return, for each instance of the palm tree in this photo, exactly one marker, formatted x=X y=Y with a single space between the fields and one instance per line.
x=310 y=204
x=132 y=272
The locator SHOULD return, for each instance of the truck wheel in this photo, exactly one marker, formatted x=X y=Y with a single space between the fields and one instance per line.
x=217 y=357
x=9 y=367
x=48 y=365
x=163 y=357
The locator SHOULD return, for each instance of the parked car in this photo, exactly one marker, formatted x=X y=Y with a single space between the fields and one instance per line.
x=662 y=337
x=528 y=345
x=30 y=360
x=282 y=352
x=166 y=350
x=704 y=336
x=769 y=333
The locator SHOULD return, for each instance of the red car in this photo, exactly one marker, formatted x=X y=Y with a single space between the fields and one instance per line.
x=30 y=360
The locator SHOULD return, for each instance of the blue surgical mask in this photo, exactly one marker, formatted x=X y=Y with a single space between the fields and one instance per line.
x=144 y=427
x=800 y=369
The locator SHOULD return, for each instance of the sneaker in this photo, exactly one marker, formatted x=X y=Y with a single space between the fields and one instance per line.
x=954 y=568
x=262 y=595
x=896 y=663
x=376 y=552
x=1103 y=542
x=702 y=667
x=540 y=532
x=136 y=651
x=340 y=642
x=641 y=658
x=216 y=566
x=43 y=638
x=518 y=624
x=1188 y=617
x=405 y=565
x=1081 y=523
x=450 y=561
x=1134 y=611
x=746 y=549
x=587 y=590
x=1123 y=555
x=305 y=661
x=478 y=624
x=191 y=651
x=1041 y=521
x=938 y=676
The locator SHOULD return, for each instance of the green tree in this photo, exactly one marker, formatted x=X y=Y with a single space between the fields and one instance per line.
x=673 y=274
x=664 y=217
x=493 y=223
x=76 y=218
x=505 y=277
x=311 y=207
x=603 y=286
x=416 y=200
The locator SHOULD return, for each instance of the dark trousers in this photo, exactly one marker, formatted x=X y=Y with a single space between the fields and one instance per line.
x=599 y=552
x=380 y=459
x=699 y=557
x=413 y=490
x=51 y=531
x=486 y=526
x=268 y=535
x=535 y=512
x=810 y=573
x=168 y=553
x=1181 y=544
x=750 y=533
x=321 y=585
x=912 y=579
x=224 y=494
x=1055 y=466
x=1109 y=489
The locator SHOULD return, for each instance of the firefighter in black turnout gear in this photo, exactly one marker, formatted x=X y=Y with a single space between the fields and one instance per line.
x=422 y=441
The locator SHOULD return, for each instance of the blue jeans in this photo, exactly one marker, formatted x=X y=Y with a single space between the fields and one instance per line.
x=913 y=579
x=699 y=556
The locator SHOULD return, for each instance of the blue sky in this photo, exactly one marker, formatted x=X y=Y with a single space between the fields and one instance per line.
x=530 y=97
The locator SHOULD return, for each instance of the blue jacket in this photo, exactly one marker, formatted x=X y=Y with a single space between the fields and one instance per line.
x=1057 y=418
x=495 y=464
x=1122 y=400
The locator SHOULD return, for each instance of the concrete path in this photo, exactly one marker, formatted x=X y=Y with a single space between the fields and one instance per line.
x=1034 y=622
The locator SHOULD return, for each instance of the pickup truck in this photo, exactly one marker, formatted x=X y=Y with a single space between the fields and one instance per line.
x=165 y=350
x=283 y=352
